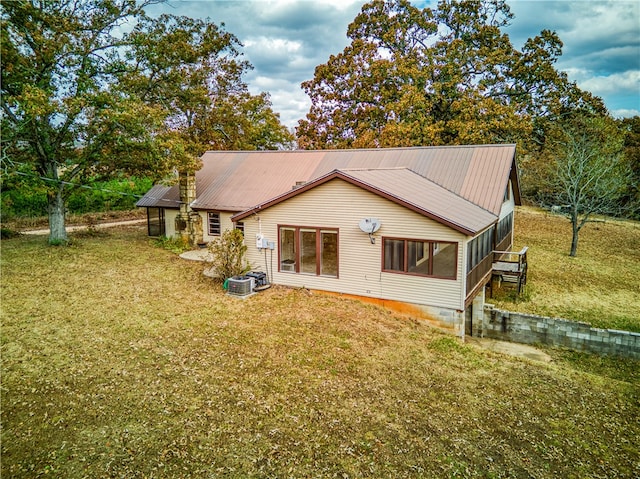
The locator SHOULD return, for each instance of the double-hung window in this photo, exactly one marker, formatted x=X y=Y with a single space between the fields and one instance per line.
x=307 y=250
x=419 y=257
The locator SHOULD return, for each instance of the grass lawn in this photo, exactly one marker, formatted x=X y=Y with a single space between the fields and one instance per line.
x=600 y=286
x=121 y=360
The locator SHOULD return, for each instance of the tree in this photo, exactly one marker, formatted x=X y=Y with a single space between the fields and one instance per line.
x=59 y=112
x=589 y=174
x=433 y=77
x=81 y=99
x=193 y=69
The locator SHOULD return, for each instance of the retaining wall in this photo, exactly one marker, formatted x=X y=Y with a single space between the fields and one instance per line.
x=532 y=329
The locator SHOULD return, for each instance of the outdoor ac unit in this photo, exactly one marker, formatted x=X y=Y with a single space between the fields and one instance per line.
x=240 y=285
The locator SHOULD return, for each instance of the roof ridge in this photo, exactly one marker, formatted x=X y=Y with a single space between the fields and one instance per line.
x=370 y=168
x=327 y=150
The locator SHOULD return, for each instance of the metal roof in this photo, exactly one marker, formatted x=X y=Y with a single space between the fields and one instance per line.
x=404 y=187
x=236 y=181
x=161 y=196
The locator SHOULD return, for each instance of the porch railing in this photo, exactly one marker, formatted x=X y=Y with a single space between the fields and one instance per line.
x=511 y=266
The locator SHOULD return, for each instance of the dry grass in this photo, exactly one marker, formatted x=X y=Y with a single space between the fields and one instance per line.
x=121 y=360
x=600 y=286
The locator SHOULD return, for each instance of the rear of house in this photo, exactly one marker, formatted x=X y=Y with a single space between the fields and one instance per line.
x=440 y=213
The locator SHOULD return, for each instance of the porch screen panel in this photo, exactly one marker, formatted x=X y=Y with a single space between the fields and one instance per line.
x=308 y=251
x=329 y=253
x=155 y=221
x=287 y=249
x=393 y=255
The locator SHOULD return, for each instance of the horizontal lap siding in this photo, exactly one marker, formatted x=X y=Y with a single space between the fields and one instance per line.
x=340 y=205
x=225 y=224
x=170 y=222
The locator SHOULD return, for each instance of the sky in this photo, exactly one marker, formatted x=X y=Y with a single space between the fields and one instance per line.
x=285 y=40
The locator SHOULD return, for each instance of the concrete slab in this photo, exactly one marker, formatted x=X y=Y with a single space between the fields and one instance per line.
x=197 y=255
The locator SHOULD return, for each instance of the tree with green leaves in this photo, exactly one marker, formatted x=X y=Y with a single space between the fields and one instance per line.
x=589 y=173
x=435 y=76
x=94 y=88
x=193 y=69
x=62 y=113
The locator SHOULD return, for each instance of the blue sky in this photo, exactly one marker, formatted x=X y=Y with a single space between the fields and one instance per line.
x=286 y=39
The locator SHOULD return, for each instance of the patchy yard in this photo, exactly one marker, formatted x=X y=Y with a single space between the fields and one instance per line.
x=121 y=360
x=601 y=286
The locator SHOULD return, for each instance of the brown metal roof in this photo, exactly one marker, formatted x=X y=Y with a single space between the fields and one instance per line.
x=237 y=181
x=161 y=196
x=425 y=196
x=404 y=187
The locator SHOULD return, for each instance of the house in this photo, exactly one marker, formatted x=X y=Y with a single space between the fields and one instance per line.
x=410 y=227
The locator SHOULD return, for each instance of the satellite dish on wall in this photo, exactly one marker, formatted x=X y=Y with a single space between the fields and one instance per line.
x=370 y=225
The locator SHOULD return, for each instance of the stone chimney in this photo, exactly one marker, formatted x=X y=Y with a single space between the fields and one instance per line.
x=188 y=222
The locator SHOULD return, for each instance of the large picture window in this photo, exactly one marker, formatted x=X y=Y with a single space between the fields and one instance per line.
x=424 y=258
x=308 y=250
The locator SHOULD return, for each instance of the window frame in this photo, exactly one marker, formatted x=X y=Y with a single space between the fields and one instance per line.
x=319 y=231
x=210 y=230
x=430 y=257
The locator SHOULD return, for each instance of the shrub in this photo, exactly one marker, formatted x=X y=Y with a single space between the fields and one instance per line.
x=227 y=253
x=176 y=245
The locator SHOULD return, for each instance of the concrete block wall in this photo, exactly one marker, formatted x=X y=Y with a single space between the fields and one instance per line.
x=534 y=329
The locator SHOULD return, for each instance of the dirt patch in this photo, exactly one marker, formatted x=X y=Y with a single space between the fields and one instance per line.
x=512 y=349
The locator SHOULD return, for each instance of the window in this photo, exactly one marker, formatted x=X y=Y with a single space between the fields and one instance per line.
x=214 y=224
x=308 y=250
x=240 y=226
x=424 y=258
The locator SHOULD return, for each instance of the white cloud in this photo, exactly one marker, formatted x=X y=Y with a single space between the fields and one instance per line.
x=615 y=83
x=625 y=113
x=273 y=44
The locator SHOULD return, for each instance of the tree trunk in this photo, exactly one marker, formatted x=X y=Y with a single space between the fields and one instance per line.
x=57 y=228
x=574 y=240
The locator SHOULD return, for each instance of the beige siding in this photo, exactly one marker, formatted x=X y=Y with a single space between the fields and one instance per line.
x=170 y=222
x=225 y=224
x=509 y=205
x=340 y=205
